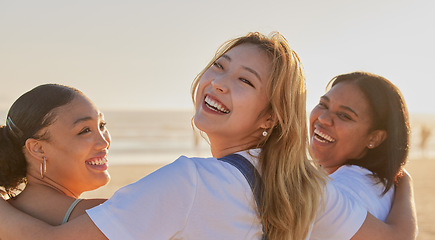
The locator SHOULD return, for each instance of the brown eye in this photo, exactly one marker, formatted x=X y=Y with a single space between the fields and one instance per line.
x=344 y=116
x=84 y=130
x=218 y=65
x=322 y=105
x=247 y=82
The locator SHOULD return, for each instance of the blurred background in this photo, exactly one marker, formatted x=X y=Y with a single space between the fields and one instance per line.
x=136 y=59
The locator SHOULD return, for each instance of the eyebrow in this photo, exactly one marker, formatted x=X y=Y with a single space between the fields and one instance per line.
x=87 y=118
x=246 y=68
x=341 y=106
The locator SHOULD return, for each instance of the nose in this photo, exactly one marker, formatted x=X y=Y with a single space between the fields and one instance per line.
x=219 y=84
x=103 y=140
x=325 y=118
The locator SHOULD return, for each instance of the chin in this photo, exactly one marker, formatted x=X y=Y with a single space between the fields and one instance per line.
x=99 y=182
x=105 y=180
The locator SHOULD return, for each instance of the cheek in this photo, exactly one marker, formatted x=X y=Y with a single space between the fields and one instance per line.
x=354 y=143
x=251 y=113
x=77 y=148
x=62 y=149
x=206 y=79
x=200 y=91
x=315 y=113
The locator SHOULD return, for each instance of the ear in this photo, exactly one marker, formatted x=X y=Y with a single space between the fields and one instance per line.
x=34 y=148
x=376 y=138
x=270 y=122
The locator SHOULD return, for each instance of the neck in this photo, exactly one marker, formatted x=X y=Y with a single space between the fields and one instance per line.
x=331 y=170
x=222 y=150
x=48 y=183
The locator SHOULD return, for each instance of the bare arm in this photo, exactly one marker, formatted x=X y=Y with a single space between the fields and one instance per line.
x=15 y=224
x=401 y=223
x=402 y=220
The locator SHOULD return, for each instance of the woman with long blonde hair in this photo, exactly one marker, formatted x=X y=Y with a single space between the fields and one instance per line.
x=250 y=102
x=287 y=198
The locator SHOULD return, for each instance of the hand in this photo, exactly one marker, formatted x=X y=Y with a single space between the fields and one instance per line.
x=404 y=177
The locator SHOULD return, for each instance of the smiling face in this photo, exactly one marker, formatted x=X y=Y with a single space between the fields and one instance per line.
x=231 y=99
x=340 y=126
x=77 y=146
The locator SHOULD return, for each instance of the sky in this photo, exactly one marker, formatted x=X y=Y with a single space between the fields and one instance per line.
x=140 y=54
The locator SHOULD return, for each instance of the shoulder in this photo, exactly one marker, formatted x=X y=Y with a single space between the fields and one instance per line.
x=360 y=186
x=183 y=167
x=353 y=177
x=221 y=173
x=205 y=177
x=178 y=176
x=188 y=164
x=340 y=216
x=356 y=179
x=184 y=178
x=347 y=171
x=200 y=167
x=84 y=205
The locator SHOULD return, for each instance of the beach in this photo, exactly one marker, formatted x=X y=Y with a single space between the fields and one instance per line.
x=422 y=172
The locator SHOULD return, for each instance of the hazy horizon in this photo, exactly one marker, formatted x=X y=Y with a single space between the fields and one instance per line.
x=144 y=54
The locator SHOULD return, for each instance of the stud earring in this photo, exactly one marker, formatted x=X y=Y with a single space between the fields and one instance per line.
x=370 y=145
x=43 y=167
x=264 y=133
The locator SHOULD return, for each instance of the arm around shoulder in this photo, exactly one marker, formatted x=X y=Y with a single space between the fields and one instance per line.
x=163 y=184
x=402 y=220
x=84 y=205
x=13 y=221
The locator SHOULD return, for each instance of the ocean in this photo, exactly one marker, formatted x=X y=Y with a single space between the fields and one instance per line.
x=160 y=137
x=153 y=136
x=150 y=137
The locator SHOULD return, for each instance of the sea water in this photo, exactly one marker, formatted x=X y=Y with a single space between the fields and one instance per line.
x=153 y=136
x=160 y=137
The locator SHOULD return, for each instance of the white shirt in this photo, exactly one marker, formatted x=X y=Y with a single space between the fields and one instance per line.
x=359 y=183
x=204 y=198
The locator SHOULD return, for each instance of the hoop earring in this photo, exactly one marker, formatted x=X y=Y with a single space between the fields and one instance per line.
x=264 y=133
x=43 y=168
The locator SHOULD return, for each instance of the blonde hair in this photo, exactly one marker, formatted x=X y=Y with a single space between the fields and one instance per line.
x=292 y=184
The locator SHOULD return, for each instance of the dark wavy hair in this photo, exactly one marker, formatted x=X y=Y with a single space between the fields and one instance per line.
x=389 y=113
x=30 y=113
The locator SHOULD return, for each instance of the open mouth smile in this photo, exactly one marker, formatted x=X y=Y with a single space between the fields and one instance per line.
x=215 y=105
x=323 y=137
x=97 y=161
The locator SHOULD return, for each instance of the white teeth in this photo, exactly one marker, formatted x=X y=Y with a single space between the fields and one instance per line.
x=215 y=106
x=323 y=137
x=320 y=139
x=100 y=161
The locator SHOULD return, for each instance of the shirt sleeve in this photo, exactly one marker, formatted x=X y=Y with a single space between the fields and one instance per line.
x=339 y=218
x=155 y=207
